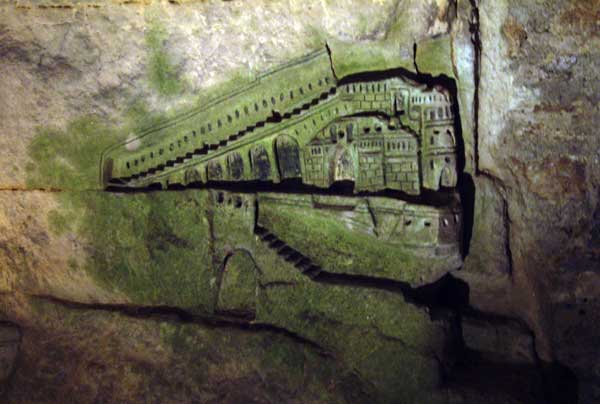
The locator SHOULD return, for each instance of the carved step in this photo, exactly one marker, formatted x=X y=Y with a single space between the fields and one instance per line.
x=277 y=244
x=303 y=264
x=260 y=230
x=285 y=251
x=313 y=271
x=300 y=262
x=294 y=257
x=269 y=237
x=276 y=117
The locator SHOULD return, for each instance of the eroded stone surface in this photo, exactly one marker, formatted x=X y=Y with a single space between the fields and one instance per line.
x=538 y=119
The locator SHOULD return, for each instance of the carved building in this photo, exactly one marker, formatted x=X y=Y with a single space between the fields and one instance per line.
x=285 y=125
x=371 y=152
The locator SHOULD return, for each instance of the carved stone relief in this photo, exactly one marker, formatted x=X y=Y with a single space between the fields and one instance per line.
x=379 y=132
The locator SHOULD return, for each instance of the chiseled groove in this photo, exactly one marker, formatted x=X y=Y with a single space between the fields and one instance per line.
x=207 y=148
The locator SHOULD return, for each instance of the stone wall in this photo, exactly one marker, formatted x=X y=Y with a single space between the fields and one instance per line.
x=118 y=297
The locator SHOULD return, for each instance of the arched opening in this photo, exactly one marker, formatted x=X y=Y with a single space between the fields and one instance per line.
x=448 y=177
x=214 y=171
x=192 y=176
x=261 y=165
x=288 y=157
x=235 y=166
x=236 y=293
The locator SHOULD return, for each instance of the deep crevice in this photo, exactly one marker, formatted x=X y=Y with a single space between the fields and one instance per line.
x=476 y=40
x=179 y=315
x=295 y=186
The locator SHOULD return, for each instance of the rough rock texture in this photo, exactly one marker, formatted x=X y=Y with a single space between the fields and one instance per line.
x=155 y=297
x=537 y=137
x=10 y=341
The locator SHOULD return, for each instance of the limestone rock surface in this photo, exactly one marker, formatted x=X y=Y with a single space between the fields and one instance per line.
x=162 y=297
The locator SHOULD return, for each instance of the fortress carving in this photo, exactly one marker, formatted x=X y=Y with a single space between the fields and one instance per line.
x=379 y=131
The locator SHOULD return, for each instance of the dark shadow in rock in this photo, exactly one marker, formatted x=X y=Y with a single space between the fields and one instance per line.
x=448 y=292
x=478 y=379
x=560 y=383
x=466 y=190
x=10 y=342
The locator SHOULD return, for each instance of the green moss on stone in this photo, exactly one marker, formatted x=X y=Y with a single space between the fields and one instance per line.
x=162 y=72
x=291 y=368
x=434 y=56
x=351 y=59
x=58 y=222
x=374 y=332
x=69 y=159
x=330 y=243
x=237 y=291
x=153 y=247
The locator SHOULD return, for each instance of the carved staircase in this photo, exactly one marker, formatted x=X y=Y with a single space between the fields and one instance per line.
x=303 y=263
x=209 y=148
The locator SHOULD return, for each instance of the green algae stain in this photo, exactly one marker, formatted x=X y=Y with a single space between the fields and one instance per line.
x=153 y=247
x=365 y=329
x=68 y=159
x=58 y=222
x=162 y=72
x=434 y=56
x=229 y=353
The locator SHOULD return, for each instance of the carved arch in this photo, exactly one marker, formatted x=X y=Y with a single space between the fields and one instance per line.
x=261 y=165
x=288 y=157
x=214 y=170
x=235 y=166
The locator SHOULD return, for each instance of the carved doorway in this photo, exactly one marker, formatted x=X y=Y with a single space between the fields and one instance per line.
x=344 y=166
x=448 y=177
